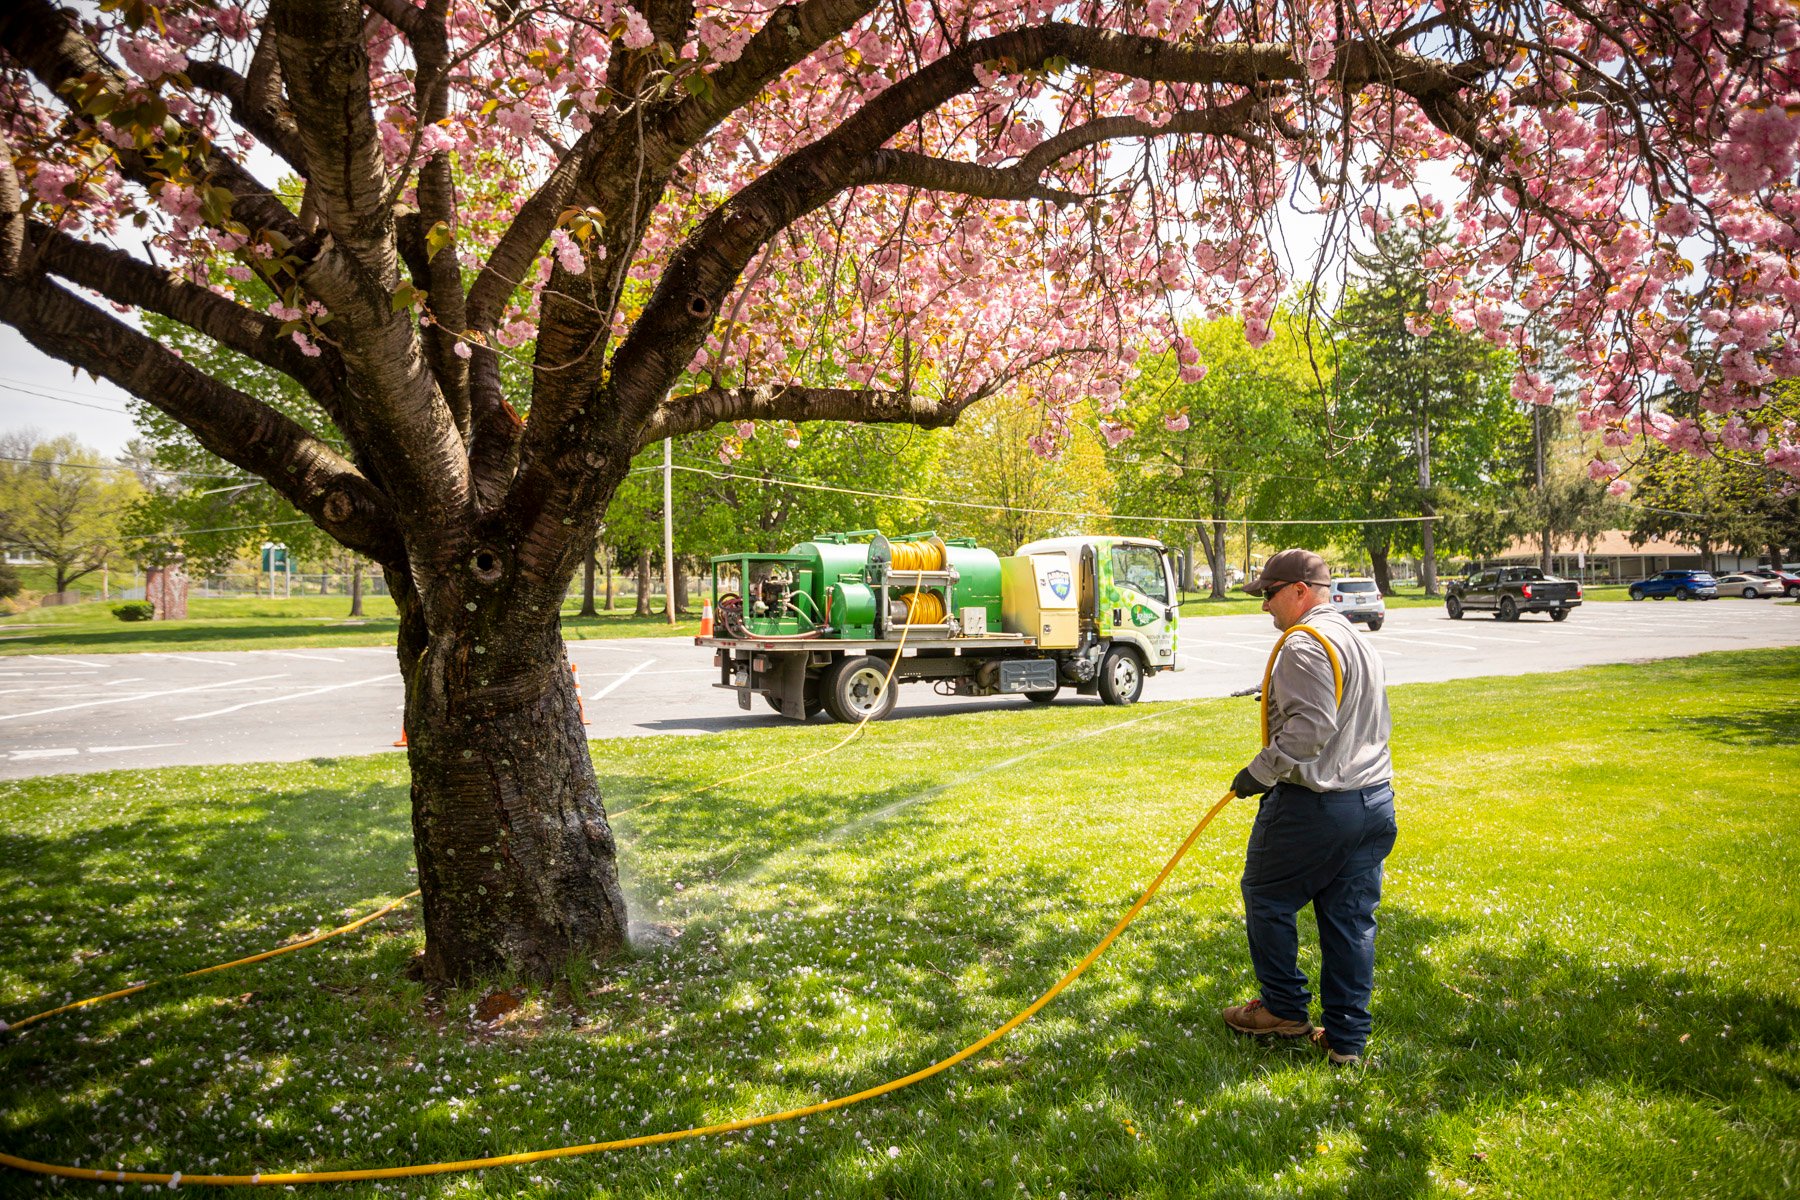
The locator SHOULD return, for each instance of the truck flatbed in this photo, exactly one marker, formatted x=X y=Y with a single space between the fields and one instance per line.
x=914 y=641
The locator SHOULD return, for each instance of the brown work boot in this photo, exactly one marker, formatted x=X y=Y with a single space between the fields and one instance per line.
x=1252 y=1018
x=1337 y=1060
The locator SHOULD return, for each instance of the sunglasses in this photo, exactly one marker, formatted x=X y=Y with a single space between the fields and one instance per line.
x=1276 y=591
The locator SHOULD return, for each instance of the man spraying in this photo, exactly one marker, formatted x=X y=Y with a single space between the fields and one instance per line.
x=1326 y=819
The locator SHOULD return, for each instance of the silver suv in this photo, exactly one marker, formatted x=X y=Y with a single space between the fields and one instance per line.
x=1359 y=600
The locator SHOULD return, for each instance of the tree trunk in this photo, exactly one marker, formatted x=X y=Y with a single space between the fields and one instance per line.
x=356 y=587
x=681 y=587
x=1378 y=562
x=1427 y=538
x=1546 y=550
x=1775 y=556
x=516 y=860
x=1215 y=555
x=643 y=584
x=587 y=584
x=606 y=555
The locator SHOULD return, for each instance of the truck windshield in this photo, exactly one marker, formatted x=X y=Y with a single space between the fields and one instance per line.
x=1141 y=569
x=1356 y=585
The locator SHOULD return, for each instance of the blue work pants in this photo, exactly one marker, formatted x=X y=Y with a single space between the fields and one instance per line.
x=1323 y=849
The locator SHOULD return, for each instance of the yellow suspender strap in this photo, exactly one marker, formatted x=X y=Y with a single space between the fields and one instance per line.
x=1337 y=669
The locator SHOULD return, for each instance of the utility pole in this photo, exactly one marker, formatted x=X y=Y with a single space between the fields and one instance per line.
x=669 y=529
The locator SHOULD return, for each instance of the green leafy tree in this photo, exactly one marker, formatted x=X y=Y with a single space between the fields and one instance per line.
x=1422 y=413
x=1722 y=498
x=64 y=506
x=1208 y=450
x=987 y=458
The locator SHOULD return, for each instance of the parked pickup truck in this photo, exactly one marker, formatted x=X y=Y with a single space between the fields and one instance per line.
x=1508 y=591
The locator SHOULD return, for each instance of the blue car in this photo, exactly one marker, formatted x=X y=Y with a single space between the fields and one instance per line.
x=1683 y=585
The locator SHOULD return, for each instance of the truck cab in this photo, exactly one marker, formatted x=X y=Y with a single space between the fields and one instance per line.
x=1127 y=592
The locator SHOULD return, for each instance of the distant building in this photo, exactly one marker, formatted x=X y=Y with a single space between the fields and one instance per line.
x=1612 y=558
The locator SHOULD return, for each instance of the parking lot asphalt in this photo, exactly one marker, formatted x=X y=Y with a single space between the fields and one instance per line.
x=63 y=714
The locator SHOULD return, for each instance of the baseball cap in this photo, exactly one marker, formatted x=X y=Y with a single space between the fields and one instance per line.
x=1290 y=566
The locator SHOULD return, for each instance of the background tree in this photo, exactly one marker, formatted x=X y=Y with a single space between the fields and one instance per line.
x=1725 y=498
x=656 y=192
x=65 y=506
x=1209 y=448
x=1421 y=411
x=989 y=459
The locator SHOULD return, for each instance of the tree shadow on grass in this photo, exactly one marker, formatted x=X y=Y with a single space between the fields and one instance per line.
x=760 y=1004
x=1775 y=724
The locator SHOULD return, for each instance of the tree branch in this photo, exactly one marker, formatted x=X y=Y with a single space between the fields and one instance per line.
x=48 y=42
x=127 y=280
x=697 y=411
x=276 y=129
x=235 y=426
x=946 y=175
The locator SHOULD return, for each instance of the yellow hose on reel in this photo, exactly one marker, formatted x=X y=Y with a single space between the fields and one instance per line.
x=928 y=555
x=924 y=608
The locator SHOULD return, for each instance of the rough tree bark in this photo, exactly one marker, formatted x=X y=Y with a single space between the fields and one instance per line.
x=356 y=586
x=643 y=584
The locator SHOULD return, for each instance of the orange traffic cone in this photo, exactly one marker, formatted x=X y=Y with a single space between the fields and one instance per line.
x=706 y=620
x=402 y=740
x=580 y=704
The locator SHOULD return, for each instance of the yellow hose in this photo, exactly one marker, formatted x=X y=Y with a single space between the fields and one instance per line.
x=653 y=1139
x=924 y=608
x=927 y=555
x=649 y=1139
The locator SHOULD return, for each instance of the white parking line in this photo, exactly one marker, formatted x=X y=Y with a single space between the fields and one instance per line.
x=19 y=755
x=80 y=662
x=627 y=675
x=122 y=749
x=1384 y=638
x=216 y=662
x=127 y=679
x=297 y=654
x=203 y=687
x=290 y=696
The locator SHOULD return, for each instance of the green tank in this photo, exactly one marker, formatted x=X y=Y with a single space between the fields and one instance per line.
x=978 y=582
x=831 y=557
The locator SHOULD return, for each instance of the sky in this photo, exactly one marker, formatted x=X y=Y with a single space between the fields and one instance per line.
x=37 y=392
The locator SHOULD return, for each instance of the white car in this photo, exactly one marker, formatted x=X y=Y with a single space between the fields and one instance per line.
x=1750 y=587
x=1359 y=600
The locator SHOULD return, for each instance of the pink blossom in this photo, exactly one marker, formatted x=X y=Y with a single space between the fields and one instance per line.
x=53 y=182
x=151 y=59
x=1601 y=468
x=1192 y=372
x=568 y=252
x=1618 y=487
x=1177 y=422
x=1418 y=324
x=305 y=343
x=746 y=429
x=637 y=35
x=461 y=349
x=1114 y=433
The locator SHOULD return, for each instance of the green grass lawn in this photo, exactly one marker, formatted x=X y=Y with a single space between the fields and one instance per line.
x=263 y=624
x=1588 y=983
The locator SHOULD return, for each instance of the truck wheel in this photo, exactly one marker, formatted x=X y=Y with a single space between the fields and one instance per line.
x=1044 y=697
x=1375 y=623
x=855 y=688
x=1559 y=614
x=1508 y=610
x=1455 y=608
x=1121 y=676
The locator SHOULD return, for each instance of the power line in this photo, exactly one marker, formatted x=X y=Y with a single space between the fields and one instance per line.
x=13 y=387
x=40 y=462
x=1042 y=512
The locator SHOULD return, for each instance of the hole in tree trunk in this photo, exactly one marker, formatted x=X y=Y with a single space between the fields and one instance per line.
x=486 y=566
x=699 y=305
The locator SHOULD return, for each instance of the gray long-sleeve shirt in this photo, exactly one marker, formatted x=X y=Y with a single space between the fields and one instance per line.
x=1314 y=741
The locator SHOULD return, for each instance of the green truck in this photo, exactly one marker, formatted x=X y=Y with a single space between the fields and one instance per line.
x=820 y=627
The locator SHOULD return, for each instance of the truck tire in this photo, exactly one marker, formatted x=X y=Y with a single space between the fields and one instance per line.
x=1121 y=676
x=1044 y=697
x=1559 y=614
x=1454 y=607
x=1508 y=611
x=853 y=688
x=1375 y=623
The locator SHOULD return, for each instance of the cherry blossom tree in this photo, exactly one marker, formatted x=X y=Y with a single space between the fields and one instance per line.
x=876 y=210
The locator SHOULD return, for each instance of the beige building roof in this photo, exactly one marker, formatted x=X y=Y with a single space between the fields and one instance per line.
x=1614 y=542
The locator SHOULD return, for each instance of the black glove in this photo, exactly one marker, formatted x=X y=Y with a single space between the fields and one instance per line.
x=1246 y=785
